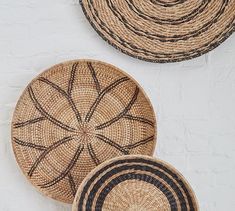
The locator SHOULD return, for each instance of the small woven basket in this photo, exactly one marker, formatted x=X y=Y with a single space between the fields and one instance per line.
x=75 y=116
x=135 y=183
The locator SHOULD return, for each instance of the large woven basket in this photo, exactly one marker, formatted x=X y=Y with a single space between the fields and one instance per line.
x=162 y=30
x=135 y=183
x=75 y=116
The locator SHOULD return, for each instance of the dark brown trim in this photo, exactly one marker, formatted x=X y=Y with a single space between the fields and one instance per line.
x=67 y=96
x=163 y=38
x=46 y=152
x=138 y=119
x=119 y=116
x=30 y=145
x=186 y=18
x=139 y=143
x=72 y=184
x=45 y=114
x=168 y=4
x=28 y=122
x=71 y=80
x=92 y=154
x=53 y=85
x=66 y=171
x=112 y=143
x=101 y=95
x=93 y=73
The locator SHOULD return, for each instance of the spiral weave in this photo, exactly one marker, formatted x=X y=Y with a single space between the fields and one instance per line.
x=162 y=30
x=75 y=116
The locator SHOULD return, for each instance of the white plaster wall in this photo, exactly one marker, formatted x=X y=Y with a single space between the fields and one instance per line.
x=194 y=100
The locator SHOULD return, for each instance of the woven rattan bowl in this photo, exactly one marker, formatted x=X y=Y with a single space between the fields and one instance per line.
x=75 y=116
x=135 y=183
x=162 y=30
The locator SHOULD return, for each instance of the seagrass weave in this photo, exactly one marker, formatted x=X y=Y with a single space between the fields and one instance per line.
x=74 y=116
x=162 y=30
x=135 y=183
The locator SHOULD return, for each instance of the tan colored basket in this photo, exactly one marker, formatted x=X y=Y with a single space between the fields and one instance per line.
x=162 y=30
x=73 y=117
x=135 y=183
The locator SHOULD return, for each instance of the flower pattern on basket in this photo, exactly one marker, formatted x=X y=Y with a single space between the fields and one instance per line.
x=81 y=133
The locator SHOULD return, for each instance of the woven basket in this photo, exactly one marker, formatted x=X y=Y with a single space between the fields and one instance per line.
x=162 y=30
x=135 y=183
x=75 y=116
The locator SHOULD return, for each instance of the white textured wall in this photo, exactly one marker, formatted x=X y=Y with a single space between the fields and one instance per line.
x=194 y=100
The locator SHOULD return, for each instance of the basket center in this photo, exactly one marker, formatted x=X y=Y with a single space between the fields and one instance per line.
x=85 y=133
x=136 y=207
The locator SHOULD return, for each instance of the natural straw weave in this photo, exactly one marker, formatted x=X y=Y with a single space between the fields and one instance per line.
x=162 y=30
x=73 y=117
x=135 y=183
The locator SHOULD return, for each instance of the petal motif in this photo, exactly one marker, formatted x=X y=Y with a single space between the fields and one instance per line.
x=72 y=118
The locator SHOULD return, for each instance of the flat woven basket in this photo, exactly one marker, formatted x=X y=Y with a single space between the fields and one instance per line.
x=75 y=116
x=162 y=30
x=135 y=183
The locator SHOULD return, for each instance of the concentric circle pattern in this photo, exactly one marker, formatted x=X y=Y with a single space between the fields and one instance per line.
x=135 y=183
x=75 y=116
x=162 y=30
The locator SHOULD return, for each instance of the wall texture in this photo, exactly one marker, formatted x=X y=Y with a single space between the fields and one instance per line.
x=194 y=100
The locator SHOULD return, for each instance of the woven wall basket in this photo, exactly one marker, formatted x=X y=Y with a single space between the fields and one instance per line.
x=135 y=183
x=162 y=30
x=73 y=117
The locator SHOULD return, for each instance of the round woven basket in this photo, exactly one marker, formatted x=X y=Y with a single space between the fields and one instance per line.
x=75 y=116
x=135 y=183
x=162 y=30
